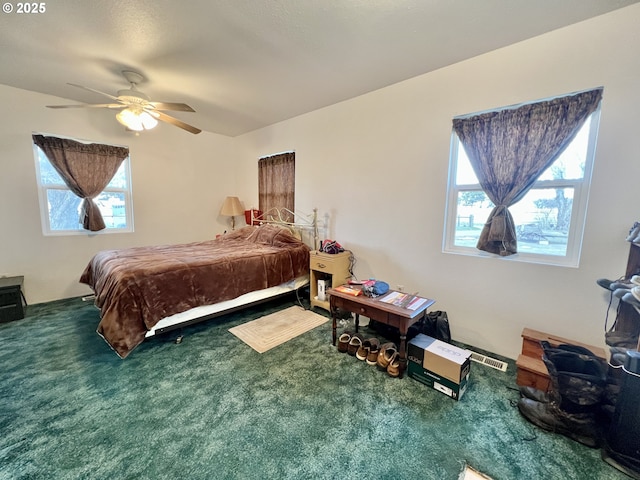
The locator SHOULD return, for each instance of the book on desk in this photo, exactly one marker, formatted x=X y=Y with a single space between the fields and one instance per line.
x=403 y=300
x=354 y=291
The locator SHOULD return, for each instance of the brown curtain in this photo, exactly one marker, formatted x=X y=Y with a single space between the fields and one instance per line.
x=509 y=149
x=276 y=182
x=86 y=168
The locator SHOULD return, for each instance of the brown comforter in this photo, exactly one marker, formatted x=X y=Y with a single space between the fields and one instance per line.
x=137 y=287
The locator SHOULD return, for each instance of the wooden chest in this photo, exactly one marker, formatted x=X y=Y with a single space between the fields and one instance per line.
x=531 y=370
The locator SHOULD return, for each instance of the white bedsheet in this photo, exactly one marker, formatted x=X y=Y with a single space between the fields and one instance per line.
x=245 y=299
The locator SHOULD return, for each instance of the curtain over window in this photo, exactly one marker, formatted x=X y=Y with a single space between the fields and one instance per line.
x=86 y=168
x=276 y=182
x=510 y=148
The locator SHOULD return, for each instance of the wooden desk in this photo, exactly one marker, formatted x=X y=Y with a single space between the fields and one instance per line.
x=382 y=312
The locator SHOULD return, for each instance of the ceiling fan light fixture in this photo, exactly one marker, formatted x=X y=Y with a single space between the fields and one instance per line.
x=135 y=110
x=132 y=96
x=136 y=119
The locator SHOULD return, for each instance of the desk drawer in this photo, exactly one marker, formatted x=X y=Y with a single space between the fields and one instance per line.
x=323 y=263
x=360 y=309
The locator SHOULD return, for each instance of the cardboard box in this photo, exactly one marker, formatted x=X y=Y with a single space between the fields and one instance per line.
x=441 y=358
x=435 y=381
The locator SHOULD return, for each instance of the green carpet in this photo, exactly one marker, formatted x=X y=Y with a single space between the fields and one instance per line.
x=212 y=407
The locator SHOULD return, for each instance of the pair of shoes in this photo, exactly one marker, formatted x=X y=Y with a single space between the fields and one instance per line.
x=349 y=342
x=343 y=342
x=393 y=369
x=634 y=281
x=634 y=233
x=630 y=295
x=633 y=297
x=613 y=285
x=606 y=283
x=369 y=351
x=389 y=359
x=354 y=344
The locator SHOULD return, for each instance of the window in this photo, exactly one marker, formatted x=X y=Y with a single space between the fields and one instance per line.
x=549 y=219
x=60 y=207
x=276 y=182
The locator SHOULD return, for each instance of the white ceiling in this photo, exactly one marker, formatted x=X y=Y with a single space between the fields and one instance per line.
x=245 y=64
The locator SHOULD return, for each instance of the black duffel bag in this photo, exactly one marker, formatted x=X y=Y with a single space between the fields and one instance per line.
x=436 y=325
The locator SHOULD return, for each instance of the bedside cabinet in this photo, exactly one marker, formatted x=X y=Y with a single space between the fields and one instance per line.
x=332 y=268
x=11 y=299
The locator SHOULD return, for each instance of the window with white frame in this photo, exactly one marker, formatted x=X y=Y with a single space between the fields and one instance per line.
x=549 y=219
x=60 y=207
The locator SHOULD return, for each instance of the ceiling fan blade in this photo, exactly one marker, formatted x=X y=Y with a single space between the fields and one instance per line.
x=176 y=107
x=89 y=105
x=94 y=91
x=174 y=121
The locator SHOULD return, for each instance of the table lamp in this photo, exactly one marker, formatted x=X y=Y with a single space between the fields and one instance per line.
x=231 y=208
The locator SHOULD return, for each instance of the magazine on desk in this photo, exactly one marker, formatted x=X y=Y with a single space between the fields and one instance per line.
x=404 y=300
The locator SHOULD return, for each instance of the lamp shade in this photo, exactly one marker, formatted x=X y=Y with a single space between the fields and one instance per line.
x=231 y=207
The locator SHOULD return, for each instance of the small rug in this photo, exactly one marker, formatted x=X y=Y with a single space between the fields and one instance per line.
x=277 y=328
x=470 y=474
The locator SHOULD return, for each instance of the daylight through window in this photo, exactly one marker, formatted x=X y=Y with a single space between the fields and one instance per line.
x=549 y=219
x=60 y=207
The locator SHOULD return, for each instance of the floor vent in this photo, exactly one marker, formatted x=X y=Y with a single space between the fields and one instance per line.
x=489 y=362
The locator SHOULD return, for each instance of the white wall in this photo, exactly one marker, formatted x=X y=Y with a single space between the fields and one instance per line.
x=378 y=164
x=179 y=182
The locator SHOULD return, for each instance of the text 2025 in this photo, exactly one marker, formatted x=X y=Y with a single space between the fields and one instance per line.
x=33 y=7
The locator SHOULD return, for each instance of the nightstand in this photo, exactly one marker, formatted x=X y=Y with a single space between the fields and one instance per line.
x=11 y=299
x=333 y=269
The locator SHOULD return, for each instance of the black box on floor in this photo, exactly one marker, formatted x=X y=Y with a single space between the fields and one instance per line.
x=435 y=381
x=11 y=307
x=439 y=365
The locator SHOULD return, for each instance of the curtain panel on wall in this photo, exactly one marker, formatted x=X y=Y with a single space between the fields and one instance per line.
x=86 y=168
x=276 y=183
x=509 y=149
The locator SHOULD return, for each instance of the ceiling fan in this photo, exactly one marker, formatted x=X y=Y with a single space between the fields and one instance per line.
x=137 y=112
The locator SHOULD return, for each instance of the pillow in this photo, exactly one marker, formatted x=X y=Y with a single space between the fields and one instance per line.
x=268 y=234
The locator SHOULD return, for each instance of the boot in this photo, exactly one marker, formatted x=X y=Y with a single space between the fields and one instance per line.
x=564 y=347
x=542 y=396
x=534 y=394
x=614 y=378
x=578 y=427
x=577 y=382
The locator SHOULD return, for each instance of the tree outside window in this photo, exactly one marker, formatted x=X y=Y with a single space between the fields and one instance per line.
x=60 y=208
x=549 y=219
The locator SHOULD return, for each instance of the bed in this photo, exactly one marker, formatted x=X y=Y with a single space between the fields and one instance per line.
x=143 y=291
